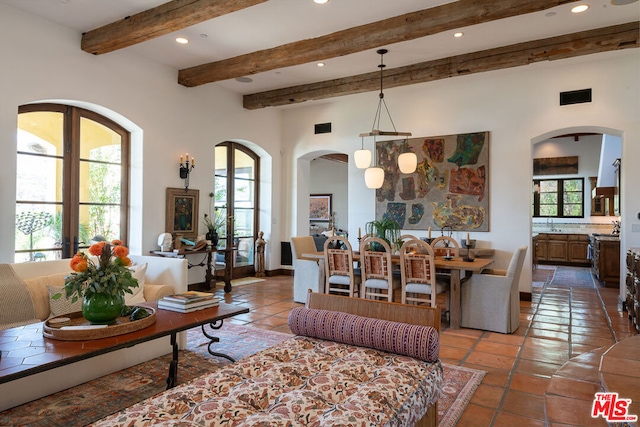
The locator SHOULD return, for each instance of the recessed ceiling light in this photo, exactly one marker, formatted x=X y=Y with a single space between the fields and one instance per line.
x=321 y=1
x=204 y=36
x=622 y=2
x=182 y=40
x=458 y=34
x=244 y=79
x=580 y=8
x=320 y=64
x=550 y=14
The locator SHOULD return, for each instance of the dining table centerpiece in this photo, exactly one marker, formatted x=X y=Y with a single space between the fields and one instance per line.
x=101 y=281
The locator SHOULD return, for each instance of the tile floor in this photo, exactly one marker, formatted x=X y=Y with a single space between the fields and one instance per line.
x=560 y=323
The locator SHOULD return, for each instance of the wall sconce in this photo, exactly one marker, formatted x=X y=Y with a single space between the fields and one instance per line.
x=185 y=169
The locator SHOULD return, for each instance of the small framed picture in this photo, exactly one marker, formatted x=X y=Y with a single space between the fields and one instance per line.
x=182 y=212
x=320 y=207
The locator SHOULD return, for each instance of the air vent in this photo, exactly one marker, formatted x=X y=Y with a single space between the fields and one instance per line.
x=575 y=97
x=322 y=128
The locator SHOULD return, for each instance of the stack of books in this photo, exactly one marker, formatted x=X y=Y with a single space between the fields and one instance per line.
x=187 y=302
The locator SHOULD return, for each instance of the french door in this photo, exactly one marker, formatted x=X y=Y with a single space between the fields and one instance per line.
x=236 y=198
x=72 y=181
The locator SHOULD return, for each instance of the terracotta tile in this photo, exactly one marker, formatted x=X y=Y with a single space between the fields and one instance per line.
x=545 y=355
x=529 y=384
x=492 y=360
x=476 y=416
x=585 y=372
x=550 y=326
x=537 y=368
x=616 y=365
x=549 y=334
x=574 y=388
x=595 y=341
x=505 y=419
x=493 y=376
x=546 y=343
x=627 y=387
x=452 y=353
x=524 y=404
x=457 y=341
x=572 y=411
x=487 y=395
x=497 y=348
x=504 y=338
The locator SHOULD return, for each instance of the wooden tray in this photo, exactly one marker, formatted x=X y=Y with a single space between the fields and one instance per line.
x=52 y=327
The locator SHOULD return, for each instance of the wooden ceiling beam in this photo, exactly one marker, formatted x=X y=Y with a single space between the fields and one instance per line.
x=577 y=44
x=401 y=28
x=158 y=21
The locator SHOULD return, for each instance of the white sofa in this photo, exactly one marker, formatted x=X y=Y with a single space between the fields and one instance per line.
x=163 y=276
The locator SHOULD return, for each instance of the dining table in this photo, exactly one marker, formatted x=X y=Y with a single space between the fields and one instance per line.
x=454 y=265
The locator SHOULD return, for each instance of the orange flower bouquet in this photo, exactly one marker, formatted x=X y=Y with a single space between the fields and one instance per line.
x=110 y=275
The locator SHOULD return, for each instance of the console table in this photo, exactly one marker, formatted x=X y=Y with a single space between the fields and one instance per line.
x=182 y=253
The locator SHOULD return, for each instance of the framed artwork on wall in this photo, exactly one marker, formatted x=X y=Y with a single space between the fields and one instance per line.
x=182 y=212
x=319 y=207
x=448 y=190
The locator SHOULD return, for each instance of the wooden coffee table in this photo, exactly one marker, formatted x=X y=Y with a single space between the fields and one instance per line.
x=33 y=353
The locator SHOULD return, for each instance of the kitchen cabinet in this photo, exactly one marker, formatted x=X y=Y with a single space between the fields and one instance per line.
x=606 y=260
x=559 y=248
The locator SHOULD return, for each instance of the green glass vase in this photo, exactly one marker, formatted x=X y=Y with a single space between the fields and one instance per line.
x=102 y=309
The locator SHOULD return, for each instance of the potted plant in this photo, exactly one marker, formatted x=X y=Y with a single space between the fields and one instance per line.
x=387 y=229
x=100 y=281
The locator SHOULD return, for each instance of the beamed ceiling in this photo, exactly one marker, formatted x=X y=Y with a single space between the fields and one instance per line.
x=281 y=58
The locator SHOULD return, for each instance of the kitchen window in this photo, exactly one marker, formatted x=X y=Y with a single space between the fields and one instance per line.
x=558 y=198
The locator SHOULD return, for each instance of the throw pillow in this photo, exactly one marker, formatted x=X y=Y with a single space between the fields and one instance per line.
x=138 y=271
x=62 y=305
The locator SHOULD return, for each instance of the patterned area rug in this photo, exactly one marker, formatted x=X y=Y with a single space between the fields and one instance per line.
x=579 y=277
x=81 y=405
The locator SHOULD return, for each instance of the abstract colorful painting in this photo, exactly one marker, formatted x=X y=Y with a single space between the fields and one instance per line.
x=449 y=189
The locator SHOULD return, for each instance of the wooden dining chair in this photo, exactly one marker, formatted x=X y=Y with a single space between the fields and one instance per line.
x=444 y=245
x=377 y=279
x=418 y=273
x=339 y=270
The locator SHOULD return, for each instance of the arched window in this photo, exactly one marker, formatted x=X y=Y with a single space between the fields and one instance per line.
x=236 y=198
x=72 y=181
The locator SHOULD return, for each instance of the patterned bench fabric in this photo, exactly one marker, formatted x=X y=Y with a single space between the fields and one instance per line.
x=301 y=381
x=421 y=342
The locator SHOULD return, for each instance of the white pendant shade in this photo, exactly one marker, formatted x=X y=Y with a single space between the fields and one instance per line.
x=362 y=158
x=374 y=177
x=407 y=162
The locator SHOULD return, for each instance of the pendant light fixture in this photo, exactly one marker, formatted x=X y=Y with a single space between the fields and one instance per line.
x=407 y=161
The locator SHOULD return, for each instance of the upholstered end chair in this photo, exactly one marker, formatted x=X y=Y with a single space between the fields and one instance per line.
x=491 y=302
x=307 y=274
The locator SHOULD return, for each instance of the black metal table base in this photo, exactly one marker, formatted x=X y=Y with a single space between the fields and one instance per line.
x=216 y=325
x=172 y=378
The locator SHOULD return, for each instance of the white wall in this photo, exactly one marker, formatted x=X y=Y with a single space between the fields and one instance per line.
x=43 y=61
x=330 y=177
x=518 y=106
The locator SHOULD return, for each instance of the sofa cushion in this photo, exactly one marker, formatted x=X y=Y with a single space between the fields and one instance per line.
x=15 y=298
x=40 y=295
x=138 y=272
x=420 y=342
x=62 y=305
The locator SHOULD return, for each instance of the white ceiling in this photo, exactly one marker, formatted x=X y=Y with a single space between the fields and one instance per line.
x=277 y=22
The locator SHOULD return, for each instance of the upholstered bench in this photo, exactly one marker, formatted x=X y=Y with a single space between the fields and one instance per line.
x=340 y=369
